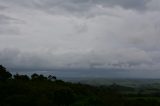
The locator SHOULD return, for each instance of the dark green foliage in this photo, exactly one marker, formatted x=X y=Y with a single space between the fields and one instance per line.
x=21 y=77
x=39 y=90
x=51 y=78
x=4 y=74
x=36 y=77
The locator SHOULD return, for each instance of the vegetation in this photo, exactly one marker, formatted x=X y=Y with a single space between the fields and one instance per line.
x=39 y=90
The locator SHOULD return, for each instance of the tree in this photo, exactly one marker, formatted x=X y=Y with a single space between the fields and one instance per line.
x=42 y=77
x=38 y=77
x=34 y=76
x=4 y=74
x=52 y=78
x=21 y=77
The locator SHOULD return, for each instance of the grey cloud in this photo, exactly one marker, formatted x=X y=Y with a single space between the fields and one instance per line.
x=5 y=25
x=84 y=7
x=153 y=5
x=128 y=4
x=84 y=4
x=6 y=19
x=14 y=58
x=78 y=7
x=7 y=56
x=8 y=31
x=2 y=7
x=116 y=37
x=116 y=59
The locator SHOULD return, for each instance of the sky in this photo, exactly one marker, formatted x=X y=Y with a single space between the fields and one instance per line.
x=80 y=34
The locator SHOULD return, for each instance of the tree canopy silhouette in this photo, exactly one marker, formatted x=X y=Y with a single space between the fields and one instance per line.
x=4 y=74
x=40 y=90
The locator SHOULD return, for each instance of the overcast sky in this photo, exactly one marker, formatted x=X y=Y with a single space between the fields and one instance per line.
x=101 y=34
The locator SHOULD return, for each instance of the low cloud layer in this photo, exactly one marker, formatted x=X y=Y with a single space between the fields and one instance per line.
x=86 y=34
